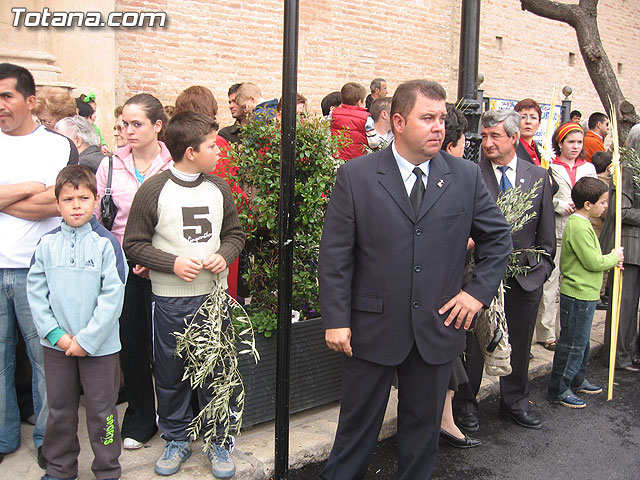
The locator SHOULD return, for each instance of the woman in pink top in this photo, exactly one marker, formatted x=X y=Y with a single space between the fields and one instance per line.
x=143 y=120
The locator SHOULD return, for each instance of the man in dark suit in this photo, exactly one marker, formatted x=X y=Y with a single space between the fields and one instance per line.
x=503 y=169
x=626 y=350
x=391 y=269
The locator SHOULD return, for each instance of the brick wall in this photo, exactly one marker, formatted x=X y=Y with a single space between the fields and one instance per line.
x=216 y=43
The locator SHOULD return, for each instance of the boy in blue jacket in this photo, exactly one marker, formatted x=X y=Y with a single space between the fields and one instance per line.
x=75 y=289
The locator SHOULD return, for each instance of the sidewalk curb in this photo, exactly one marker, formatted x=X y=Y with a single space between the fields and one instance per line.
x=310 y=440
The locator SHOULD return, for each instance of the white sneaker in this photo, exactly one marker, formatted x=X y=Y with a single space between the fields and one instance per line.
x=132 y=444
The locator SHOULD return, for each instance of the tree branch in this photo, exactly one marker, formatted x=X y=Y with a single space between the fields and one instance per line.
x=583 y=17
x=559 y=11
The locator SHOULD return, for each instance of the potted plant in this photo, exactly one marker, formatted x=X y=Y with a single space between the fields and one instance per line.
x=315 y=370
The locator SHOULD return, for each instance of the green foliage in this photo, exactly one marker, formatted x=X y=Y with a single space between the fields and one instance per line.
x=630 y=158
x=514 y=204
x=208 y=346
x=257 y=162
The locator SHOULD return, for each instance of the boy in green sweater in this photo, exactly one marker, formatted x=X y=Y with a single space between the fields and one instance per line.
x=581 y=264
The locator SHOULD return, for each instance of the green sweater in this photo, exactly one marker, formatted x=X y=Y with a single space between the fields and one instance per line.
x=581 y=262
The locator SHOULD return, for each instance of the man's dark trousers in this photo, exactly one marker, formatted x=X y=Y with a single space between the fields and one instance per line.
x=521 y=308
x=421 y=391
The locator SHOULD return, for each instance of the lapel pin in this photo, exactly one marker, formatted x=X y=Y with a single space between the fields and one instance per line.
x=522 y=180
x=440 y=183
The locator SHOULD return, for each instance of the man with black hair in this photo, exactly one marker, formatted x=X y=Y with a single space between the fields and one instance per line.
x=576 y=116
x=232 y=133
x=329 y=102
x=594 y=139
x=32 y=156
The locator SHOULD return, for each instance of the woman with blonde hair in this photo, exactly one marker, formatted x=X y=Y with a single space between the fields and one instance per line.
x=52 y=105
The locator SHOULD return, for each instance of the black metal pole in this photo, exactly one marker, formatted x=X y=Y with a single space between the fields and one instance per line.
x=468 y=74
x=286 y=212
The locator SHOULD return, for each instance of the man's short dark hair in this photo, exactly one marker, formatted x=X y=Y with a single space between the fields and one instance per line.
x=595 y=118
x=78 y=176
x=84 y=109
x=24 y=80
x=528 y=103
x=587 y=189
x=233 y=89
x=601 y=161
x=351 y=93
x=379 y=105
x=575 y=113
x=332 y=100
x=404 y=98
x=187 y=129
x=376 y=83
x=454 y=126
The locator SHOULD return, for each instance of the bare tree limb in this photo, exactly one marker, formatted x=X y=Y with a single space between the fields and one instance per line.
x=583 y=17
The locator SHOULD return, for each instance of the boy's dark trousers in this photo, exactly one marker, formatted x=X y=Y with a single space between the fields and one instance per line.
x=100 y=380
x=173 y=393
x=572 y=349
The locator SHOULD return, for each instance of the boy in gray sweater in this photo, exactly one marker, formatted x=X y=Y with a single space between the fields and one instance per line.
x=183 y=225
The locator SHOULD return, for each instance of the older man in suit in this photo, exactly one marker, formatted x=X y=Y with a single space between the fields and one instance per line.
x=502 y=169
x=391 y=281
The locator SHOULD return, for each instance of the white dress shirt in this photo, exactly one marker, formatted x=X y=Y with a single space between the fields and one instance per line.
x=406 y=170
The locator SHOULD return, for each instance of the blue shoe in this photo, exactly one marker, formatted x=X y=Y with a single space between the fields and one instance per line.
x=589 y=388
x=222 y=465
x=175 y=453
x=49 y=477
x=570 y=400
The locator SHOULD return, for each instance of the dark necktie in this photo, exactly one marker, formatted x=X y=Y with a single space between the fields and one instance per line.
x=417 y=192
x=505 y=184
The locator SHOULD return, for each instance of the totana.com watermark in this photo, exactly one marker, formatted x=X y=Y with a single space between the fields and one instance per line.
x=46 y=18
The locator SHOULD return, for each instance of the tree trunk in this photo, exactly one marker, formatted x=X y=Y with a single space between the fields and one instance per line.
x=583 y=17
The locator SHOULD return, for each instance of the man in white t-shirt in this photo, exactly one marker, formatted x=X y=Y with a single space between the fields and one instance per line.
x=30 y=158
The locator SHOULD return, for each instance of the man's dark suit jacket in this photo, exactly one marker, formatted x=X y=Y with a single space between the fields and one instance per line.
x=384 y=272
x=630 y=235
x=540 y=231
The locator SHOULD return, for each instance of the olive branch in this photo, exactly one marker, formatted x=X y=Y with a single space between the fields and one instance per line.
x=208 y=347
x=515 y=205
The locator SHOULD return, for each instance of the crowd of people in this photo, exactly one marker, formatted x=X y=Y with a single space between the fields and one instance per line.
x=398 y=295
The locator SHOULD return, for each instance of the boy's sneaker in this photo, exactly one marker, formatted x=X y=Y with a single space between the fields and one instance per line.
x=571 y=401
x=222 y=465
x=175 y=452
x=49 y=477
x=589 y=388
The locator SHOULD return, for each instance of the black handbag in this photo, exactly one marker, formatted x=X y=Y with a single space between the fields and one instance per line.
x=108 y=209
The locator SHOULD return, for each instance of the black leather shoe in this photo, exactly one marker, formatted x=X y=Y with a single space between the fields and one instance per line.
x=1 y=457
x=524 y=419
x=467 y=421
x=42 y=462
x=466 y=442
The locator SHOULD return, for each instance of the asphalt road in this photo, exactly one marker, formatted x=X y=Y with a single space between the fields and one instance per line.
x=601 y=441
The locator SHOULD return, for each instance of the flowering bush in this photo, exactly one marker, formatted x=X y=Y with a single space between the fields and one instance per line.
x=257 y=170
